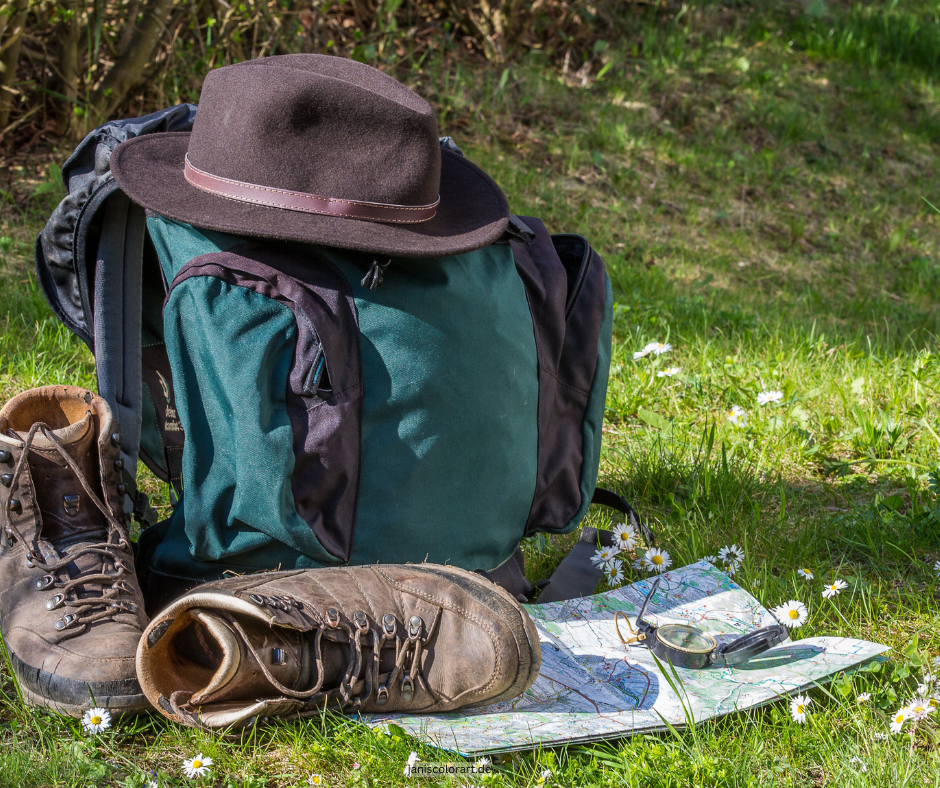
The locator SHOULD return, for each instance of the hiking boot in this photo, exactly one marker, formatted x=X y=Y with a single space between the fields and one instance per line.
x=388 y=638
x=71 y=612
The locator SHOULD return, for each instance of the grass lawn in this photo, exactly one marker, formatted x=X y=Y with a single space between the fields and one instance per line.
x=757 y=179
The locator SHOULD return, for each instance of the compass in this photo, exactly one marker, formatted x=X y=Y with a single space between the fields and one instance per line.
x=685 y=646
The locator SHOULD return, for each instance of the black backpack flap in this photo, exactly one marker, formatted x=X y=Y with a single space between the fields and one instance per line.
x=67 y=248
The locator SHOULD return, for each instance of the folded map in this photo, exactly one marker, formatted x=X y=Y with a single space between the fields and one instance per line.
x=592 y=686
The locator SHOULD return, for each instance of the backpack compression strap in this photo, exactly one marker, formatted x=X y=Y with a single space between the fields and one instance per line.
x=118 y=287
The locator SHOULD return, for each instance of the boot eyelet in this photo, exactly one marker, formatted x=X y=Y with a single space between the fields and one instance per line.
x=360 y=620
x=381 y=697
x=55 y=602
x=65 y=622
x=414 y=627
x=116 y=439
x=6 y=458
x=332 y=618
x=258 y=600
x=29 y=561
x=44 y=582
x=407 y=689
x=118 y=464
x=71 y=503
x=388 y=624
x=15 y=506
x=122 y=489
x=6 y=479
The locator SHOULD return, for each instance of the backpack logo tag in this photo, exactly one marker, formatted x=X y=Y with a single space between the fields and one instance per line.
x=171 y=420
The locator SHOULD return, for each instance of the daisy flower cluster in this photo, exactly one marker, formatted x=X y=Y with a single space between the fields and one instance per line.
x=917 y=710
x=729 y=558
x=653 y=348
x=611 y=559
x=737 y=416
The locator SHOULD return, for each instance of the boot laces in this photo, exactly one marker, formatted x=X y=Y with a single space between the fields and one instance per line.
x=87 y=610
x=360 y=680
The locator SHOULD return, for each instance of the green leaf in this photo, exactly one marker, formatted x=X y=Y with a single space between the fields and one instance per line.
x=652 y=418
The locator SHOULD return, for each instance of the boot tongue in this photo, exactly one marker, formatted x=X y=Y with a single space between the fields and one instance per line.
x=239 y=677
x=63 y=514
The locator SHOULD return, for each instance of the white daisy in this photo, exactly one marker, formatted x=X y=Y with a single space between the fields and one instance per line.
x=863 y=697
x=805 y=573
x=859 y=763
x=919 y=708
x=712 y=559
x=900 y=717
x=798 y=707
x=737 y=416
x=604 y=555
x=624 y=536
x=766 y=397
x=96 y=720
x=935 y=662
x=792 y=614
x=657 y=560
x=650 y=347
x=639 y=564
x=668 y=372
x=731 y=569
x=482 y=764
x=412 y=760
x=544 y=777
x=834 y=588
x=613 y=573
x=315 y=779
x=196 y=767
x=661 y=347
x=923 y=689
x=928 y=678
x=731 y=554
x=936 y=566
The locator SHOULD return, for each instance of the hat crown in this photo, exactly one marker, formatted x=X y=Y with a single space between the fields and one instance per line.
x=318 y=125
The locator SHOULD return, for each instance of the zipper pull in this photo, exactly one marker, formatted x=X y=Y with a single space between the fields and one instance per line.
x=375 y=274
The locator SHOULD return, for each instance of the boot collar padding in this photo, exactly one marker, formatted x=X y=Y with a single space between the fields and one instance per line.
x=231 y=653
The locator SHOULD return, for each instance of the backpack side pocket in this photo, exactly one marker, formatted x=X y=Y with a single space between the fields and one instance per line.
x=570 y=301
x=286 y=302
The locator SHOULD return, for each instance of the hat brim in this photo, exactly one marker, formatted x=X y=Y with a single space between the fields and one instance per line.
x=473 y=211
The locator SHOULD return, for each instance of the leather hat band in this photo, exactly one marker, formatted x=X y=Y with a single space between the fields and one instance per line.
x=306 y=203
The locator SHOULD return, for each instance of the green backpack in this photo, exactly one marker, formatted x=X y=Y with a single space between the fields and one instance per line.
x=312 y=407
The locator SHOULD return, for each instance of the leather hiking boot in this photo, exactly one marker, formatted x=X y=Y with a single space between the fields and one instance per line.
x=376 y=639
x=71 y=611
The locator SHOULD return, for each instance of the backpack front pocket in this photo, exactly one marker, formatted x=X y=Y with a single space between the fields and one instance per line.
x=264 y=342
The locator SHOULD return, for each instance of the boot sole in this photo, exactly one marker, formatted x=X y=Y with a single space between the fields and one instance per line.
x=527 y=636
x=73 y=697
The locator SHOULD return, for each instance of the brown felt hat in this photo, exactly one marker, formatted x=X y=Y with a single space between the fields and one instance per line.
x=318 y=149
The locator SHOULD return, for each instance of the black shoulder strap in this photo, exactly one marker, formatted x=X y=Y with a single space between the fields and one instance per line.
x=576 y=576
